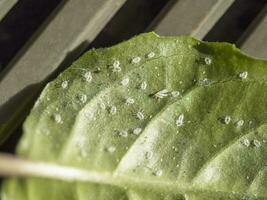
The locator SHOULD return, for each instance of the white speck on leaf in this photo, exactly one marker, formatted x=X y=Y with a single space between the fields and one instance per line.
x=159 y=172
x=123 y=133
x=116 y=63
x=243 y=75
x=111 y=149
x=150 y=55
x=161 y=94
x=180 y=120
x=83 y=98
x=246 y=142
x=140 y=115
x=240 y=123
x=129 y=101
x=58 y=119
x=116 y=66
x=175 y=93
x=143 y=85
x=136 y=60
x=137 y=131
x=88 y=76
x=257 y=143
x=113 y=110
x=208 y=60
x=64 y=84
x=125 y=81
x=227 y=119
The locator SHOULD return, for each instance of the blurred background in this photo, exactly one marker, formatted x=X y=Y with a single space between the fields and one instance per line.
x=40 y=38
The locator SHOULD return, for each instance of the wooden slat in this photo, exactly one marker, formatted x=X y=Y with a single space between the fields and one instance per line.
x=70 y=30
x=5 y=6
x=254 y=40
x=190 y=17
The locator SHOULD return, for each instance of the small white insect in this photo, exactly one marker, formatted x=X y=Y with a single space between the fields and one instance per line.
x=227 y=119
x=240 y=123
x=136 y=60
x=257 y=143
x=143 y=85
x=175 y=93
x=58 y=119
x=88 y=76
x=113 y=110
x=83 y=98
x=123 y=133
x=243 y=75
x=137 y=131
x=116 y=66
x=125 y=81
x=180 y=120
x=64 y=84
x=159 y=172
x=161 y=94
x=208 y=60
x=246 y=142
x=129 y=101
x=140 y=115
x=116 y=63
x=150 y=55
x=111 y=149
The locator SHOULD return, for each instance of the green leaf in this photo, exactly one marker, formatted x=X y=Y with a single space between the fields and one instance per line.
x=167 y=117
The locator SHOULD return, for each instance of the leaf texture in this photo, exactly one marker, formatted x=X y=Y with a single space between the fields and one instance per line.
x=170 y=117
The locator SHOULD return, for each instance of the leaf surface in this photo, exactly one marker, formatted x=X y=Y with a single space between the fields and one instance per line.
x=169 y=117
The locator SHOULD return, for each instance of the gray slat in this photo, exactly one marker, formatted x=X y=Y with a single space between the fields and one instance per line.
x=5 y=6
x=190 y=17
x=254 y=40
x=75 y=24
